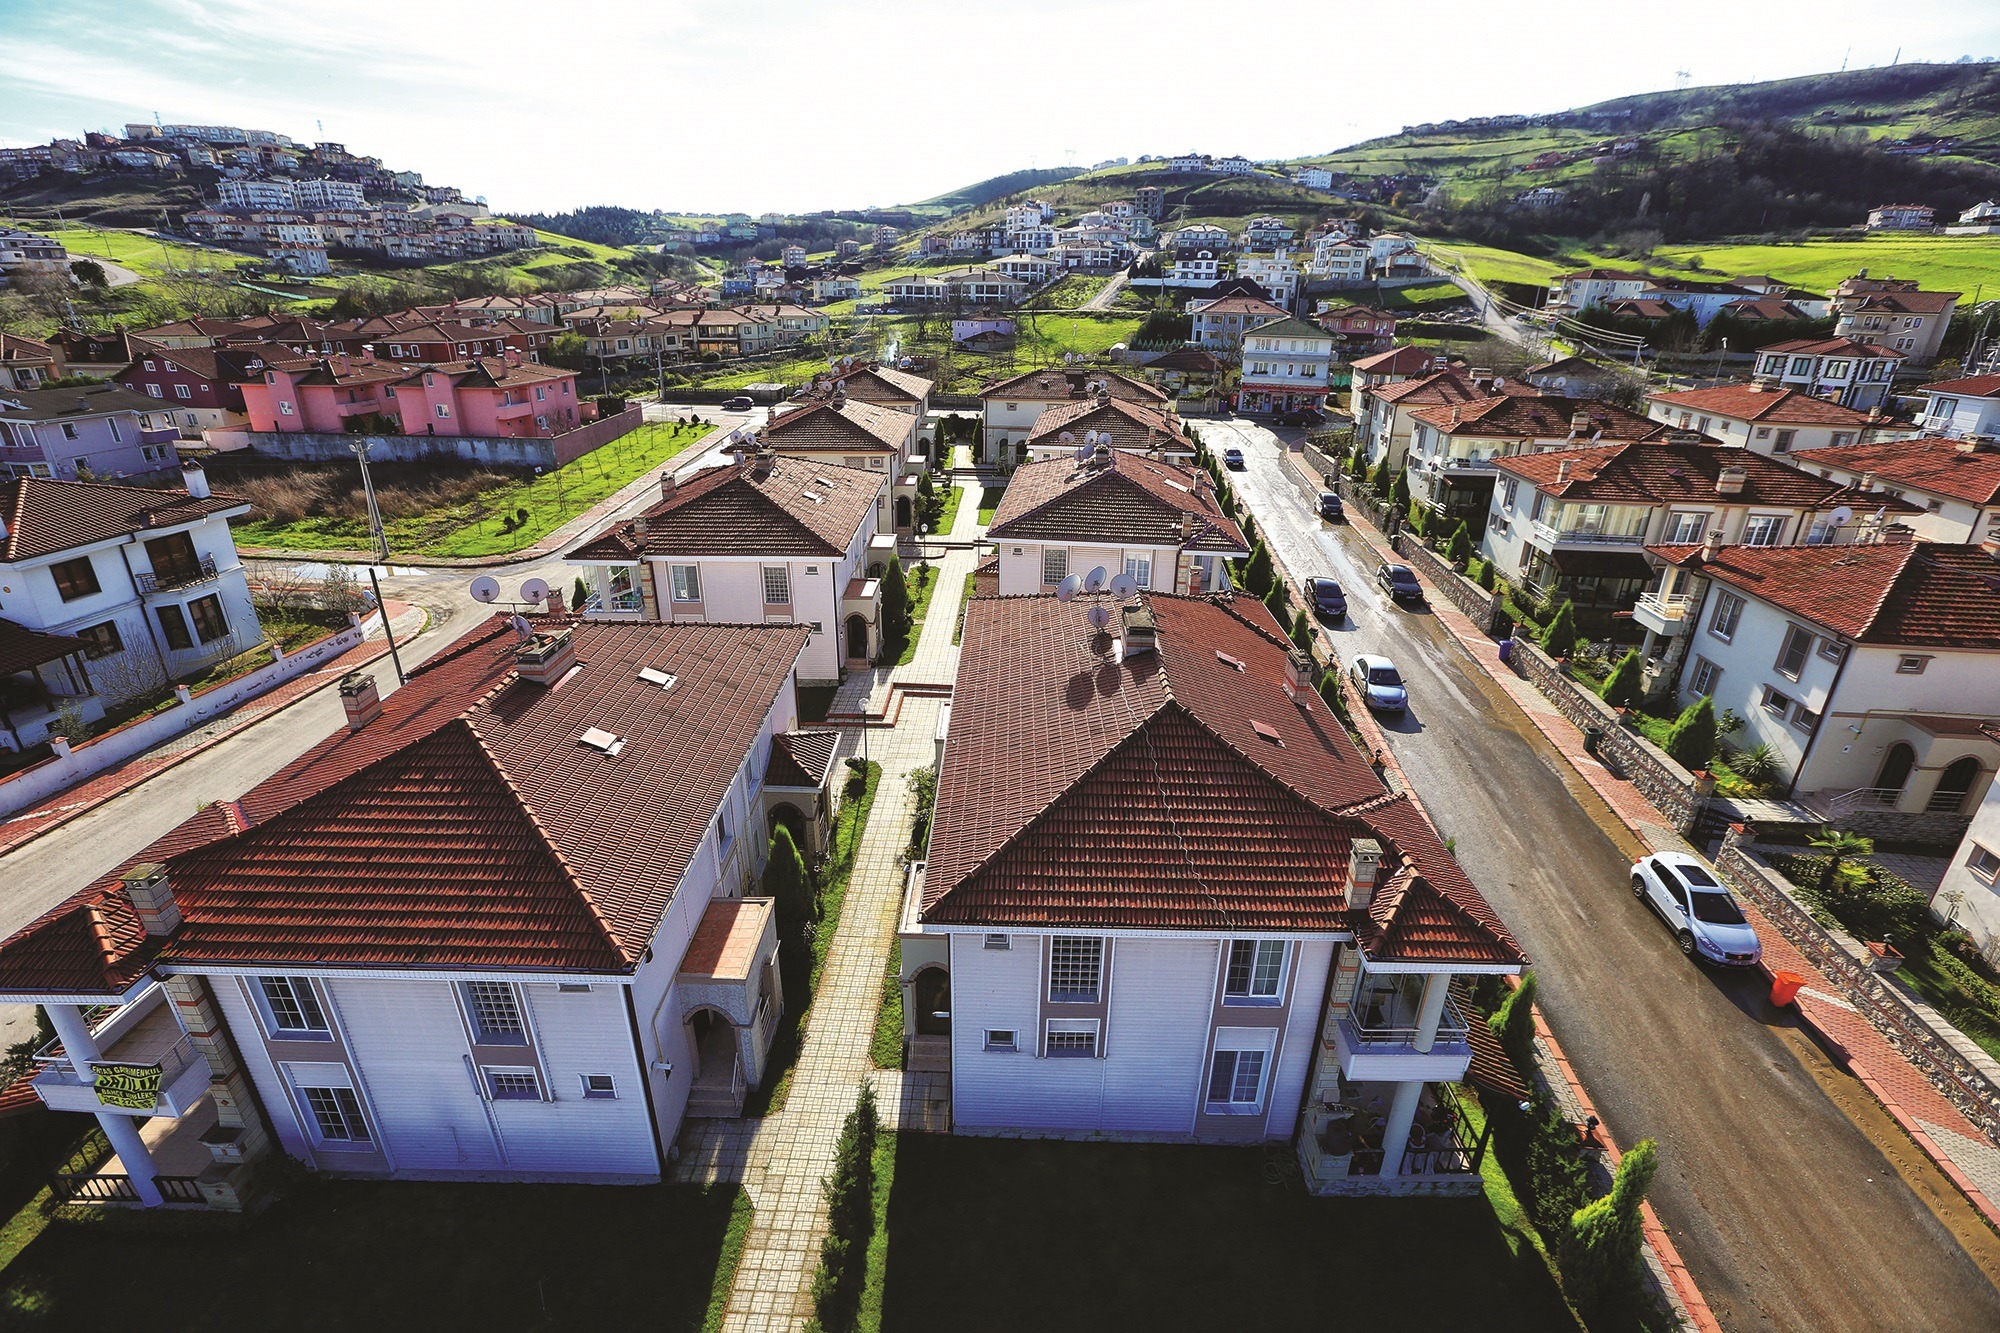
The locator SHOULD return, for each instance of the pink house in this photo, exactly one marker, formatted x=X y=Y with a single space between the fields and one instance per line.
x=320 y=394
x=490 y=396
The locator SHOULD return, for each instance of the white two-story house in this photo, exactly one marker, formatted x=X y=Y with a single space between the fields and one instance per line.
x=1839 y=370
x=504 y=925
x=1117 y=511
x=1769 y=420
x=766 y=540
x=1219 y=324
x=1067 y=430
x=1954 y=484
x=1957 y=408
x=868 y=436
x=1088 y=959
x=1383 y=404
x=1010 y=408
x=1285 y=367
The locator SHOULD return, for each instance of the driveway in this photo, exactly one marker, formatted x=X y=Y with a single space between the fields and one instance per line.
x=1793 y=1199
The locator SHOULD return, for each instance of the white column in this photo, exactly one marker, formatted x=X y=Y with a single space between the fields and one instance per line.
x=1431 y=1010
x=122 y=1130
x=1396 y=1134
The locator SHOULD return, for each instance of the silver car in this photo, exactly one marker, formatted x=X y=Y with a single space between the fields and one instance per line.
x=1705 y=920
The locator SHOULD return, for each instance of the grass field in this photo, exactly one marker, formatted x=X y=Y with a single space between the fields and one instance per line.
x=1488 y=264
x=142 y=254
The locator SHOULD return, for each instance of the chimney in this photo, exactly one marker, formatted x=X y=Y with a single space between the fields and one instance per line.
x=1867 y=482
x=1731 y=480
x=1875 y=412
x=152 y=897
x=639 y=529
x=1579 y=423
x=552 y=605
x=1562 y=473
x=1898 y=534
x=1755 y=386
x=546 y=658
x=1298 y=669
x=359 y=697
x=839 y=399
x=761 y=464
x=1100 y=455
x=346 y=365
x=195 y=479
x=1711 y=545
x=513 y=356
x=1364 y=863
x=1141 y=630
x=1992 y=547
x=669 y=483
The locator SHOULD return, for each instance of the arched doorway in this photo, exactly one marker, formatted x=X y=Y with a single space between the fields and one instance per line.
x=1894 y=774
x=713 y=1038
x=1954 y=787
x=931 y=991
x=902 y=511
x=857 y=638
x=787 y=816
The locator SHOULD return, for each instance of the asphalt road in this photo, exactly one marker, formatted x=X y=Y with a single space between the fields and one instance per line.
x=1794 y=1200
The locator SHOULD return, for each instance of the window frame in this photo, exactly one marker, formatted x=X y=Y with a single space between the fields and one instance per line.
x=355 y=1131
x=1728 y=608
x=1905 y=667
x=1084 y=950
x=782 y=574
x=303 y=995
x=1775 y=701
x=684 y=589
x=66 y=581
x=1087 y=1028
x=1051 y=557
x=1983 y=862
x=1233 y=1104
x=1795 y=636
x=490 y=1076
x=1704 y=668
x=1253 y=972
x=94 y=635
x=206 y=613
x=1002 y=1041
x=474 y=998
x=608 y=1092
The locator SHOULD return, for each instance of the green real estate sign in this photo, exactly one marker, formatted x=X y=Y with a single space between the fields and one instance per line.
x=134 y=1087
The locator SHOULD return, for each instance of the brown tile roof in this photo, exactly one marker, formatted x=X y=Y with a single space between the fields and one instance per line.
x=1549 y=416
x=45 y=517
x=1643 y=307
x=22 y=648
x=1910 y=594
x=1127 y=498
x=1399 y=361
x=1054 y=385
x=852 y=426
x=1194 y=360
x=1130 y=426
x=1941 y=467
x=13 y=347
x=779 y=506
x=1242 y=305
x=1450 y=386
x=76 y=401
x=1832 y=347
x=725 y=943
x=801 y=758
x=1660 y=472
x=1969 y=386
x=1169 y=790
x=885 y=384
x=1748 y=402
x=1764 y=307
x=1901 y=303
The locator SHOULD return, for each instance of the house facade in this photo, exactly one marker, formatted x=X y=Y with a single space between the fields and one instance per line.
x=1066 y=429
x=200 y=387
x=1961 y=408
x=1893 y=313
x=1010 y=408
x=1952 y=484
x=1839 y=370
x=1383 y=404
x=104 y=432
x=868 y=437
x=1286 y=365
x=26 y=363
x=1968 y=898
x=1766 y=420
x=1218 y=325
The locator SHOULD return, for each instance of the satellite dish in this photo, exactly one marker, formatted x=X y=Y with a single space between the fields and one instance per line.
x=485 y=588
x=1069 y=587
x=535 y=591
x=1095 y=580
x=1067 y=437
x=1099 y=616
x=1841 y=517
x=1124 y=587
x=519 y=624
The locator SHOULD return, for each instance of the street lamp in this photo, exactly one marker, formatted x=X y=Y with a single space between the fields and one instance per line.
x=1721 y=352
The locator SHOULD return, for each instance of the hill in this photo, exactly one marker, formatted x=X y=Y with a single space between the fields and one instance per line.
x=996 y=187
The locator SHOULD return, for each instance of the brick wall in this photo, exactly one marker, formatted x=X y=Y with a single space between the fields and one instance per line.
x=1462 y=592
x=499 y=451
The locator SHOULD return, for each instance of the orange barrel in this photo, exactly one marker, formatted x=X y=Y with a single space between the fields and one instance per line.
x=1785 y=987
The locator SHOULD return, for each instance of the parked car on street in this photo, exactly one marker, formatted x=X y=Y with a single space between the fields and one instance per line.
x=1400 y=582
x=1330 y=507
x=740 y=403
x=1305 y=416
x=1328 y=600
x=1233 y=459
x=1706 y=921
x=1380 y=684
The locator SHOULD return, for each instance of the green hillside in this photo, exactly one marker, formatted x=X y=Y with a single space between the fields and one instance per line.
x=997 y=187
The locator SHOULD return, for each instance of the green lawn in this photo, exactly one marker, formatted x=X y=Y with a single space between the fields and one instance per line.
x=887 y=1048
x=405 y=1254
x=989 y=503
x=849 y=824
x=1940 y=263
x=142 y=254
x=954 y=496
x=1181 y=1237
x=1488 y=264
x=1426 y=296
x=923 y=581
x=489 y=522
x=1070 y=292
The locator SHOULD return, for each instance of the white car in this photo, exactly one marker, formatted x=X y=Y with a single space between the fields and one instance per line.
x=1706 y=921
x=1380 y=684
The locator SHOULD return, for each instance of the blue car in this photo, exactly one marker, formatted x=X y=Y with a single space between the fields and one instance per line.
x=1329 y=600
x=1330 y=507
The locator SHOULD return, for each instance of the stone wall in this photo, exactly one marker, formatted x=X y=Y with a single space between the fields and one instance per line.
x=305 y=446
x=1955 y=1065
x=1676 y=793
x=1460 y=591
x=1905 y=825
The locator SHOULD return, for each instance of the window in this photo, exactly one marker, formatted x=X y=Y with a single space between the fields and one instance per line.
x=1076 y=967
x=1001 y=1039
x=1702 y=679
x=1055 y=564
x=495 y=1014
x=513 y=1085
x=336 y=1114
x=777 y=585
x=209 y=622
x=69 y=431
x=1513 y=489
x=1792 y=657
x=75 y=578
x=1071 y=1037
x=1912 y=665
x=1774 y=702
x=1832 y=650
x=1983 y=863
x=284 y=407
x=181 y=391
x=1140 y=567
x=1685 y=529
x=1236 y=1080
x=599 y=1088
x=1841 y=437
x=292 y=1007
x=1763 y=529
x=1255 y=969
x=1805 y=719
x=998 y=942
x=174 y=625
x=153 y=390
x=1728 y=612
x=1783 y=444
x=443 y=411
x=101 y=640
x=687 y=582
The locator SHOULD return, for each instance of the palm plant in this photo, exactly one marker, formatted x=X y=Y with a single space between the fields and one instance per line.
x=1842 y=848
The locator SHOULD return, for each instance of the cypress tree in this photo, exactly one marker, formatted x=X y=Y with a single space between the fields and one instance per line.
x=895 y=600
x=1626 y=683
x=1559 y=639
x=785 y=883
x=1691 y=740
x=1302 y=630
x=1459 y=549
x=1258 y=574
x=1599 y=1251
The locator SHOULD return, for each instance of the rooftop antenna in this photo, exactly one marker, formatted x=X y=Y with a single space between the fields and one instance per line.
x=519 y=624
x=1124 y=587
x=1099 y=616
x=485 y=588
x=1069 y=587
x=535 y=591
x=1094 y=581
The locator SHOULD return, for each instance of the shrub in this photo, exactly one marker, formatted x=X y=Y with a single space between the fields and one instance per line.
x=895 y=601
x=1599 y=1249
x=1335 y=697
x=1277 y=601
x=849 y=1190
x=785 y=883
x=1357 y=467
x=1399 y=490
x=1486 y=577
x=1514 y=1023
x=923 y=787
x=1418 y=517
x=577 y=593
x=1756 y=763
x=1559 y=638
x=1258 y=575
x=1458 y=549
x=1626 y=684
x=1691 y=740
x=1302 y=630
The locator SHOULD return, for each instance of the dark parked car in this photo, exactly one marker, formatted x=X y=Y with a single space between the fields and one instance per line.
x=1305 y=416
x=1400 y=582
x=1233 y=459
x=1330 y=507
x=740 y=403
x=1329 y=600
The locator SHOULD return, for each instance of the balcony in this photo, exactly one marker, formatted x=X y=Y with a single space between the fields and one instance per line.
x=169 y=578
x=615 y=603
x=1548 y=535
x=513 y=411
x=1477 y=464
x=1376 y=1042
x=138 y=1040
x=1667 y=614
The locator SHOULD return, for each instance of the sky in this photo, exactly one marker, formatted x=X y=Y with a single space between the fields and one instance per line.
x=796 y=105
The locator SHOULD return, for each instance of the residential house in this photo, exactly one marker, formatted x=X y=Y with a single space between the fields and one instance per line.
x=1954 y=483
x=1218 y=324
x=882 y=385
x=31 y=252
x=1968 y=898
x=1597 y=286
x=1455 y=448
x=1395 y=365
x=794 y=256
x=1196 y=236
x=765 y=540
x=1383 y=422
x=1033 y=240
x=1982 y=219
x=199 y=387
x=148 y=581
x=971 y=285
x=835 y=289
x=862 y=435
x=26 y=363
x=1011 y=407
x=1189 y=162
x=1233 y=165
x=1117 y=423
x=647 y=338
x=491 y=396
x=44 y=685
x=1277 y=274
x=1357 y=330
x=1313 y=178
x=1339 y=259
x=1394 y=255
x=100 y=432
x=1123 y=512
x=1768 y=420
x=1149 y=201
x=1267 y=233
x=542 y=986
x=1901 y=217
x=1033 y=269
x=322 y=394
x=1189 y=372
x=1576 y=376
x=1115 y=970
x=1575 y=522
x=1837 y=369
x=1960 y=408
x=1872 y=670
x=1194 y=267
x=1286 y=366
x=1894 y=313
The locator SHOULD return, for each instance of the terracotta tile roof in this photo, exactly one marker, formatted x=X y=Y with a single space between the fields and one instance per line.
x=1128 y=498
x=1130 y=426
x=1900 y=303
x=1969 y=386
x=1546 y=417
x=1426 y=909
x=801 y=758
x=13 y=347
x=1643 y=307
x=45 y=517
x=22 y=648
x=781 y=506
x=1764 y=307
x=1450 y=386
x=1194 y=360
x=1055 y=385
x=1571 y=365
x=1168 y=790
x=89 y=401
x=1747 y=402
x=1661 y=472
x=1938 y=466
x=725 y=943
x=852 y=426
x=1242 y=305
x=1832 y=347
x=492 y=372
x=1399 y=361
x=885 y=384
x=1908 y=594
x=467 y=826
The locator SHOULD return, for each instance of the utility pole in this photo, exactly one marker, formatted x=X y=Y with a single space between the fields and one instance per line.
x=374 y=512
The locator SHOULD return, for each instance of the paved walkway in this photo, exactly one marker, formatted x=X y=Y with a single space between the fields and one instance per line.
x=781 y=1159
x=27 y=825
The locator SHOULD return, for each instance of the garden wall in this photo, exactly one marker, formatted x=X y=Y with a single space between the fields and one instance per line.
x=1482 y=606
x=496 y=451
x=68 y=766
x=1676 y=793
x=1953 y=1063
x=1941 y=828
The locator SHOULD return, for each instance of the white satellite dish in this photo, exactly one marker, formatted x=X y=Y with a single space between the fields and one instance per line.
x=1067 y=437
x=1841 y=517
x=1099 y=616
x=485 y=588
x=1095 y=580
x=1069 y=587
x=1124 y=587
x=535 y=591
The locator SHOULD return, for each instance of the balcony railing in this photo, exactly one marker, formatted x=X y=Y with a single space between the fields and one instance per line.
x=628 y=602
x=1397 y=1026
x=1675 y=607
x=1450 y=464
x=169 y=577
x=1550 y=535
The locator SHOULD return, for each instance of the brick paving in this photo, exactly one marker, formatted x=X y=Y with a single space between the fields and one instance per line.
x=27 y=825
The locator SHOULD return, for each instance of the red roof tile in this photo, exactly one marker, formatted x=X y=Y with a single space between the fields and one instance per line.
x=1127 y=498
x=1546 y=417
x=22 y=648
x=1657 y=472
x=852 y=426
x=1131 y=426
x=1832 y=347
x=1399 y=361
x=1969 y=386
x=782 y=506
x=46 y=517
x=1055 y=385
x=1938 y=466
x=1748 y=402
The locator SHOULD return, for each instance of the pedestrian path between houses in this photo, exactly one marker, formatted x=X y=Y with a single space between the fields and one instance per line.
x=26 y=825
x=781 y=1159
